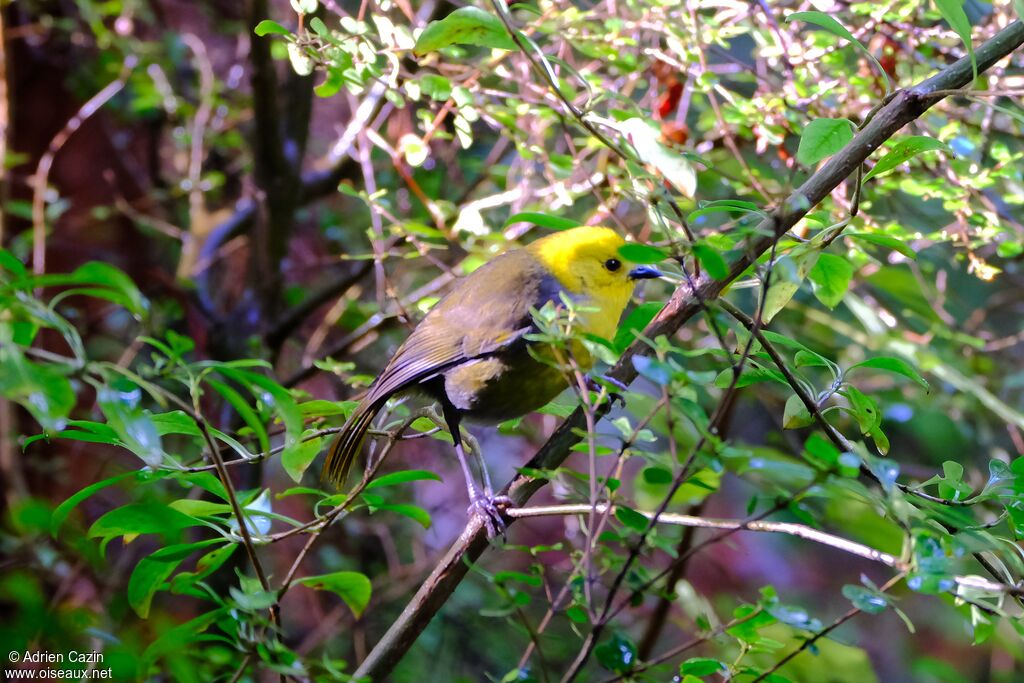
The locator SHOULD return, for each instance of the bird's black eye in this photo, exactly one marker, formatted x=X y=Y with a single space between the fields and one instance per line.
x=613 y=264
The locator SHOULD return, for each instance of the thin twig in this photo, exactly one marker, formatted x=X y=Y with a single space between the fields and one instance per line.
x=236 y=509
x=845 y=617
x=42 y=174
x=788 y=528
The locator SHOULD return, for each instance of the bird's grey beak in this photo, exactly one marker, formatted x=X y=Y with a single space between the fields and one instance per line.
x=644 y=273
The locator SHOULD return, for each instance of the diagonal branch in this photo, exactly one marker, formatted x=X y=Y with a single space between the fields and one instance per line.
x=684 y=304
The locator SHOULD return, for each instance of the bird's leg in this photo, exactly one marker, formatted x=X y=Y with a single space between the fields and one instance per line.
x=484 y=504
x=478 y=455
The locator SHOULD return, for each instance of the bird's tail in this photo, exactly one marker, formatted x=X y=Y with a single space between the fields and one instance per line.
x=349 y=442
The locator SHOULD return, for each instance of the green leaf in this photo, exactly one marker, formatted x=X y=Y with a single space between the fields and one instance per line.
x=275 y=397
x=121 y=405
x=952 y=485
x=353 y=587
x=617 y=654
x=401 y=478
x=268 y=27
x=577 y=614
x=906 y=148
x=796 y=414
x=653 y=369
x=809 y=359
x=178 y=639
x=438 y=88
x=413 y=512
x=151 y=572
x=296 y=460
x=319 y=27
x=880 y=439
x=780 y=293
x=244 y=410
x=41 y=389
x=176 y=422
x=657 y=476
x=886 y=241
x=302 y=63
x=823 y=138
x=794 y=615
x=701 y=666
x=826 y=22
x=11 y=264
x=65 y=508
x=751 y=375
x=642 y=253
x=140 y=518
x=333 y=82
x=464 y=26
x=866 y=600
x=831 y=277
x=106 y=275
x=206 y=565
x=953 y=12
x=712 y=261
x=506 y=577
x=322 y=408
x=304 y=6
x=724 y=206
x=636 y=321
x=821 y=450
x=543 y=220
x=672 y=166
x=631 y=518
x=864 y=409
x=77 y=435
x=896 y=365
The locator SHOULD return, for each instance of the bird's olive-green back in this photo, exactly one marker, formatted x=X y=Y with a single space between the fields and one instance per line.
x=485 y=312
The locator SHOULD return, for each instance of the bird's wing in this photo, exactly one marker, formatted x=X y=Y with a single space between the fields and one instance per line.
x=487 y=311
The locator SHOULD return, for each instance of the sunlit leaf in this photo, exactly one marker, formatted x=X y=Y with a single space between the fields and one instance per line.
x=953 y=12
x=543 y=220
x=642 y=253
x=822 y=138
x=674 y=167
x=831 y=277
x=886 y=241
x=464 y=26
x=896 y=365
x=268 y=27
x=904 y=149
x=828 y=23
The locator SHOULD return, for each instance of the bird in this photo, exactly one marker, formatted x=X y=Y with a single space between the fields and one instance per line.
x=472 y=353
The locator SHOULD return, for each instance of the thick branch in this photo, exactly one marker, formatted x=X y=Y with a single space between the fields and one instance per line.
x=904 y=107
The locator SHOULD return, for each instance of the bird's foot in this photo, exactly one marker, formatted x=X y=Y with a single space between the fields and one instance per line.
x=488 y=507
x=613 y=396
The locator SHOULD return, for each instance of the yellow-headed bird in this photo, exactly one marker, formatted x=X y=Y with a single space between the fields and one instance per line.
x=470 y=352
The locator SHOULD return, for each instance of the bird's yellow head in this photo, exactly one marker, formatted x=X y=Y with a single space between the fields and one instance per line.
x=586 y=262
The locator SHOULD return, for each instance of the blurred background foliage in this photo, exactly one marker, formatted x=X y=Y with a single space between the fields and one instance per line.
x=219 y=219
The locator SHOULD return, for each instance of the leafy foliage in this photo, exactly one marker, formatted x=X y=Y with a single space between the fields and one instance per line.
x=841 y=422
